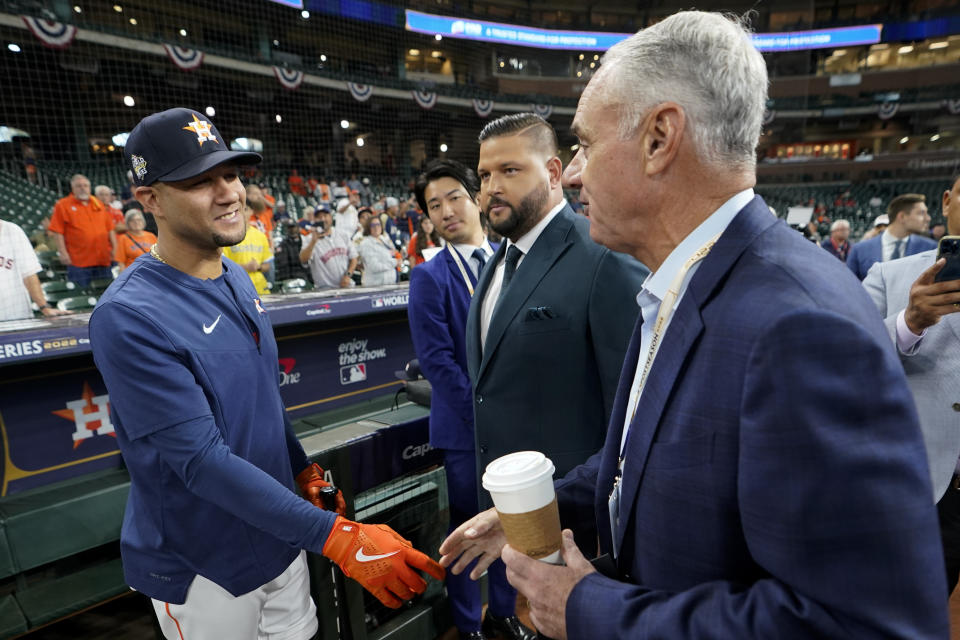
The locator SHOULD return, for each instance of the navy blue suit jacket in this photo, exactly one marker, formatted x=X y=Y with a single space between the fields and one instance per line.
x=864 y=254
x=437 y=311
x=769 y=491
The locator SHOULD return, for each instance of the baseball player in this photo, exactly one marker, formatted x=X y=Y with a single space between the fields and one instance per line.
x=214 y=531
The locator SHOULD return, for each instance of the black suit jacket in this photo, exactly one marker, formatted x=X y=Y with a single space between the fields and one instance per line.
x=548 y=375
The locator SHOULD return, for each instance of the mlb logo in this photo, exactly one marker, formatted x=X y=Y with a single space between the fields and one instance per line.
x=353 y=373
x=377 y=302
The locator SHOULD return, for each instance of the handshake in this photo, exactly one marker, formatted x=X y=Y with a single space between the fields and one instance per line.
x=374 y=555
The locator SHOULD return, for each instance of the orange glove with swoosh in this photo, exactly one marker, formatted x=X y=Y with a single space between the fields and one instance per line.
x=380 y=560
x=311 y=482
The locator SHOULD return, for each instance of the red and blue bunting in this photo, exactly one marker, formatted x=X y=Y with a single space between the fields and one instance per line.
x=483 y=108
x=289 y=78
x=360 y=92
x=426 y=99
x=543 y=110
x=185 y=59
x=53 y=35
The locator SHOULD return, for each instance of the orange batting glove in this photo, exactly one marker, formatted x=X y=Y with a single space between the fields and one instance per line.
x=311 y=483
x=380 y=560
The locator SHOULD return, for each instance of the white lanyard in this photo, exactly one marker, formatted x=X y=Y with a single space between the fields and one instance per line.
x=463 y=270
x=664 y=314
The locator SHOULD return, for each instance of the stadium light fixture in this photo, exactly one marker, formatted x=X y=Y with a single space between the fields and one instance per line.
x=183 y=33
x=133 y=21
x=581 y=56
x=278 y=118
x=210 y=111
x=904 y=139
x=129 y=101
x=323 y=57
x=359 y=142
x=77 y=9
x=905 y=49
x=305 y=14
x=436 y=54
x=118 y=8
x=344 y=124
x=579 y=74
x=943 y=44
x=596 y=56
x=14 y=47
x=438 y=37
x=414 y=52
x=934 y=137
x=444 y=147
x=593 y=65
x=276 y=43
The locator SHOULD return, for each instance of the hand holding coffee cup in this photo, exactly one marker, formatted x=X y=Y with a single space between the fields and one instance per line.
x=521 y=485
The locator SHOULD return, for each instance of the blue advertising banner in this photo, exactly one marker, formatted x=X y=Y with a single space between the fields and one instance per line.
x=522 y=36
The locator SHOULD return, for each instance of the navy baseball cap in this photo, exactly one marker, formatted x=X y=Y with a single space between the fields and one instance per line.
x=178 y=144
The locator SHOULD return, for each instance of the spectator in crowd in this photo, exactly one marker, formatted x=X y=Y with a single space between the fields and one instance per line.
x=380 y=259
x=922 y=319
x=136 y=241
x=329 y=253
x=440 y=293
x=364 y=214
x=126 y=194
x=86 y=242
x=549 y=321
x=307 y=217
x=346 y=219
x=295 y=184
x=254 y=254
x=838 y=244
x=261 y=215
x=426 y=237
x=19 y=283
x=354 y=184
x=880 y=224
x=42 y=238
x=105 y=194
x=322 y=192
x=937 y=230
x=392 y=229
x=214 y=530
x=279 y=211
x=905 y=236
x=286 y=256
x=408 y=220
x=763 y=473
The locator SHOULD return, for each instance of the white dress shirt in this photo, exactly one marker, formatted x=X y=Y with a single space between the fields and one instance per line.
x=656 y=285
x=466 y=252
x=889 y=243
x=524 y=243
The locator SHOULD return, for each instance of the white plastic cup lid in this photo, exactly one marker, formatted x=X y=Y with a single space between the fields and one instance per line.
x=517 y=471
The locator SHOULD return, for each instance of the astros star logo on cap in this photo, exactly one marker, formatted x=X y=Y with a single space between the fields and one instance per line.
x=202 y=129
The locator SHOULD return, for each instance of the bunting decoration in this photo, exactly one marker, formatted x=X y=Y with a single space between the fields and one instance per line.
x=483 y=108
x=768 y=116
x=360 y=92
x=953 y=106
x=289 y=78
x=426 y=99
x=887 y=110
x=543 y=110
x=185 y=59
x=53 y=35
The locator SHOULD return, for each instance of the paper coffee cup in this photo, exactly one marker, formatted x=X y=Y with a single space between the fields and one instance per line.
x=521 y=485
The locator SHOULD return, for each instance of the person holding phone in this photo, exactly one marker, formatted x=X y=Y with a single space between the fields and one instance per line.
x=329 y=254
x=922 y=314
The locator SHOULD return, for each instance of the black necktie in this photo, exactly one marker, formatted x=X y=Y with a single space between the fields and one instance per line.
x=510 y=267
x=481 y=257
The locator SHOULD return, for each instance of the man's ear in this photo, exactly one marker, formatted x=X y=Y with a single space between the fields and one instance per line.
x=148 y=199
x=661 y=135
x=555 y=171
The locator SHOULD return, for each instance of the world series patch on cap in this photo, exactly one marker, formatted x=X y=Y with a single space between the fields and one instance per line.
x=178 y=144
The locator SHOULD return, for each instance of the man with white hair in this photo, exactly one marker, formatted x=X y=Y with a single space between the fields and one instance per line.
x=83 y=229
x=105 y=194
x=838 y=244
x=753 y=483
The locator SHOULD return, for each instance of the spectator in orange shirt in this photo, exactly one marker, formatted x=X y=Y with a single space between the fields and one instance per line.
x=136 y=241
x=295 y=182
x=83 y=229
x=262 y=215
x=105 y=194
x=425 y=237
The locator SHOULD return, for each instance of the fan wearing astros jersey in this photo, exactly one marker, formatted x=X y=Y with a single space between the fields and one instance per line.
x=215 y=531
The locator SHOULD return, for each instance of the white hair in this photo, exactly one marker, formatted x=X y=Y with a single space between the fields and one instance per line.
x=839 y=223
x=131 y=214
x=706 y=63
x=100 y=188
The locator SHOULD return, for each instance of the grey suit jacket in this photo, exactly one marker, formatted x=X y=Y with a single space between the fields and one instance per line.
x=546 y=379
x=933 y=370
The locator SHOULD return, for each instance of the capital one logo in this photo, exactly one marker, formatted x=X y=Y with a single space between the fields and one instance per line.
x=90 y=416
x=287 y=375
